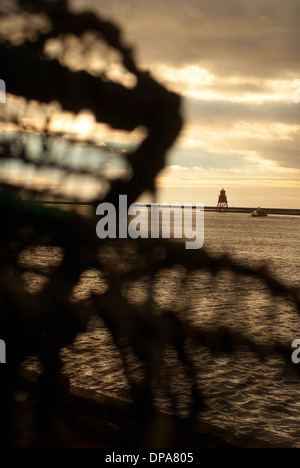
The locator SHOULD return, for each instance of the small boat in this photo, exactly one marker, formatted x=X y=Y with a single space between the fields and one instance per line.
x=258 y=212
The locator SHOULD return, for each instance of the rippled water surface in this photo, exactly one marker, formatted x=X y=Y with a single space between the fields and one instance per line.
x=241 y=392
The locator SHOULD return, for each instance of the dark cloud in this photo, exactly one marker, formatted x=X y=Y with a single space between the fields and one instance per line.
x=233 y=37
x=285 y=153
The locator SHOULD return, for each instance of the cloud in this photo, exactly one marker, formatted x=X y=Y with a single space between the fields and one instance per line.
x=245 y=37
x=233 y=62
x=202 y=158
x=284 y=153
x=231 y=113
x=227 y=146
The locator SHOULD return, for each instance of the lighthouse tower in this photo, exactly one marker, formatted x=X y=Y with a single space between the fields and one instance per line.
x=222 y=202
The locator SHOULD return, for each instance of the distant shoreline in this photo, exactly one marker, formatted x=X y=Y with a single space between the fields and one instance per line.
x=282 y=211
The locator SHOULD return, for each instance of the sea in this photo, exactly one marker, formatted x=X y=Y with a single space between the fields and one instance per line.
x=242 y=393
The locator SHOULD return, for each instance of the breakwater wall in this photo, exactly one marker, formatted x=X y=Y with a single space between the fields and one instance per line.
x=238 y=209
x=277 y=211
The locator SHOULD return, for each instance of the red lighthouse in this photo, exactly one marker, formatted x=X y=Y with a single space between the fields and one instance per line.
x=222 y=202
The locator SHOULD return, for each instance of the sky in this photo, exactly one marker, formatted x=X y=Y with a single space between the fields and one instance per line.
x=235 y=63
